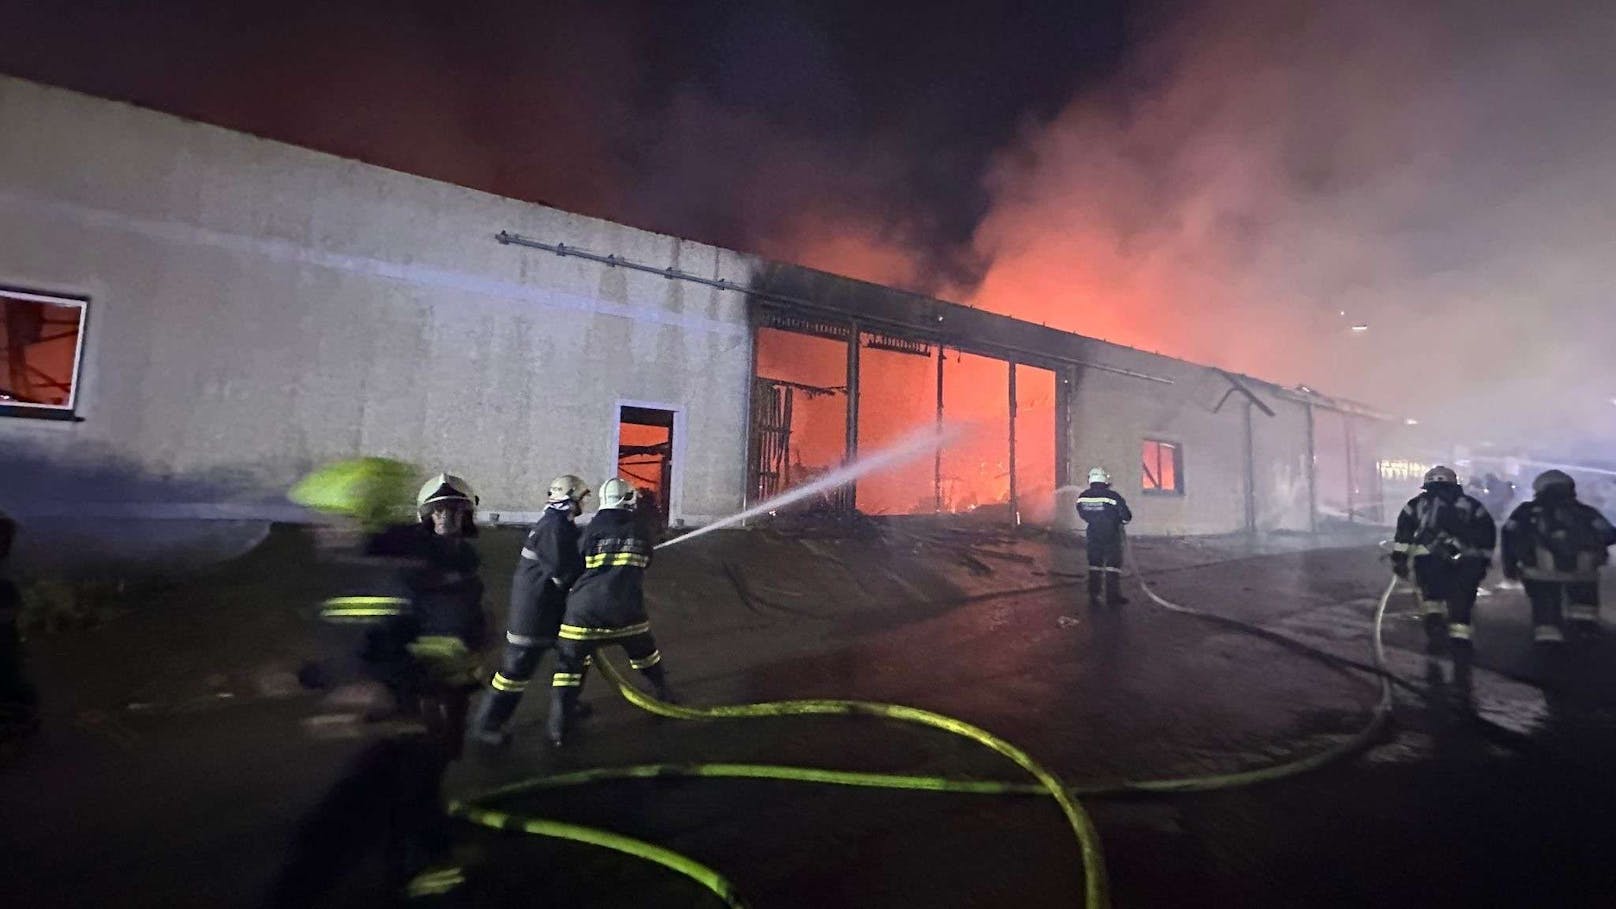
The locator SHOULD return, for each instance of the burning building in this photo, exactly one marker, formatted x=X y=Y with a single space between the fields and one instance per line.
x=195 y=316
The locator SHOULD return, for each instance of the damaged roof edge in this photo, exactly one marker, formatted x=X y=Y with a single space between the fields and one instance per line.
x=796 y=289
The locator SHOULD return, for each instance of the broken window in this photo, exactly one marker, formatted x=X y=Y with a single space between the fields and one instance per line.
x=999 y=463
x=799 y=413
x=43 y=339
x=975 y=467
x=1035 y=444
x=1345 y=472
x=645 y=453
x=897 y=398
x=1162 y=467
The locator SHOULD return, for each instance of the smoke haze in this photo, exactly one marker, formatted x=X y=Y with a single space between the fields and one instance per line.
x=1235 y=182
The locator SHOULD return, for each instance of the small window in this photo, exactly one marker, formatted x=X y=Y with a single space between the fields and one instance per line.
x=1163 y=467
x=41 y=340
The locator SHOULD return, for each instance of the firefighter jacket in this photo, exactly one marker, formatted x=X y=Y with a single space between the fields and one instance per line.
x=1104 y=511
x=1554 y=537
x=1444 y=523
x=418 y=599
x=549 y=565
x=610 y=595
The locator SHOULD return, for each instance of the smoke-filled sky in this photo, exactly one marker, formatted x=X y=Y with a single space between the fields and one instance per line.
x=1214 y=180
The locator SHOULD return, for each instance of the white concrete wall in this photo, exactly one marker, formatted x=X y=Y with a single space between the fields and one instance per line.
x=1112 y=415
x=258 y=308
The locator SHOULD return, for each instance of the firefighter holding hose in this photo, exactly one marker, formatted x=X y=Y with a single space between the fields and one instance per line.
x=1105 y=512
x=549 y=564
x=607 y=605
x=1447 y=538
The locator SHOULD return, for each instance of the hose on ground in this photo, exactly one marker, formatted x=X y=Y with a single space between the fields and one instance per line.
x=1095 y=887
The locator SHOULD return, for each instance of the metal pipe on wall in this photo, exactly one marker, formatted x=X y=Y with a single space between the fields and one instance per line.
x=996 y=350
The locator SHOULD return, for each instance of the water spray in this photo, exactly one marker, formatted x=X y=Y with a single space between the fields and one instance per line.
x=911 y=447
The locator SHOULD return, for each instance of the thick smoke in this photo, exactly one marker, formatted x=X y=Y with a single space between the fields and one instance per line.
x=1237 y=182
x=1273 y=173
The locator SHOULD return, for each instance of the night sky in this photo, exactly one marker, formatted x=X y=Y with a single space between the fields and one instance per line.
x=727 y=122
x=1234 y=182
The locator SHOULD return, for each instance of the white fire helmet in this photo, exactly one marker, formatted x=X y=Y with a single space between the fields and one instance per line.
x=618 y=493
x=568 y=488
x=1098 y=475
x=445 y=487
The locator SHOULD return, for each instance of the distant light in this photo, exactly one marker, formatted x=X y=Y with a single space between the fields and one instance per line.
x=1305 y=390
x=1411 y=422
x=1343 y=314
x=1360 y=327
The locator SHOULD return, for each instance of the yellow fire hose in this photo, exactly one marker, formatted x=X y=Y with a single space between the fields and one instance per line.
x=1095 y=887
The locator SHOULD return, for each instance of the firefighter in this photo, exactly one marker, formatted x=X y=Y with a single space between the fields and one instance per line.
x=19 y=702
x=1105 y=512
x=607 y=605
x=549 y=564
x=1499 y=493
x=1449 y=536
x=1555 y=545
x=418 y=603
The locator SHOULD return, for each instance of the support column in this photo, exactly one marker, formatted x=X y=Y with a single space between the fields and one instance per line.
x=1352 y=470
x=937 y=456
x=1015 y=501
x=753 y=442
x=850 y=492
x=1312 y=477
x=1251 y=472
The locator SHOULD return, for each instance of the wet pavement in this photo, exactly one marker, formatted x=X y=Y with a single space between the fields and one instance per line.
x=171 y=768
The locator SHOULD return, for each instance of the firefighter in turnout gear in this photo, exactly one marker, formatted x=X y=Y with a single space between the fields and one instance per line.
x=1105 y=512
x=19 y=702
x=549 y=564
x=607 y=605
x=1555 y=545
x=417 y=602
x=1448 y=537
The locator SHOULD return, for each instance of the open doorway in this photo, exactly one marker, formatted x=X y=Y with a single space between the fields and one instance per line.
x=645 y=453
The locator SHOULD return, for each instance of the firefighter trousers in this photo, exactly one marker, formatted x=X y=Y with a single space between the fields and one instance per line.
x=522 y=656
x=1448 y=594
x=1554 y=602
x=390 y=797
x=1103 y=555
x=573 y=655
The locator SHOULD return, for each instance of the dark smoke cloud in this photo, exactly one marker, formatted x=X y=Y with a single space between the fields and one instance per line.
x=1437 y=171
x=770 y=126
x=1212 y=180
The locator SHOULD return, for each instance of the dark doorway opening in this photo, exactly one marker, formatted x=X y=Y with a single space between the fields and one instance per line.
x=645 y=453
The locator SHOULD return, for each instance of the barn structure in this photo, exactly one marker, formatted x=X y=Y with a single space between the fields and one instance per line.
x=195 y=316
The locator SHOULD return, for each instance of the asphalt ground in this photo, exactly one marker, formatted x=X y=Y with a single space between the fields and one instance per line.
x=171 y=768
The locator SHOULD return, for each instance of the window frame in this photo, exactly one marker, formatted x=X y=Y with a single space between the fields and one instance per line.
x=68 y=411
x=1178 y=468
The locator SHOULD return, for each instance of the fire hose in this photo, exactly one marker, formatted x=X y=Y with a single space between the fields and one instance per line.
x=1096 y=893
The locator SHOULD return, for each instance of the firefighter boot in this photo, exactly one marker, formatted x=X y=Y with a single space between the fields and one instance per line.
x=1436 y=626
x=563 y=708
x=659 y=681
x=492 y=715
x=1113 y=590
x=1582 y=621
